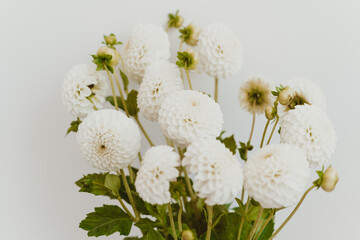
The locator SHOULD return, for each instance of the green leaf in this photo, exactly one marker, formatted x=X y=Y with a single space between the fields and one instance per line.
x=107 y=220
x=132 y=103
x=112 y=182
x=124 y=79
x=74 y=126
x=153 y=235
x=229 y=142
x=145 y=224
x=94 y=184
x=268 y=231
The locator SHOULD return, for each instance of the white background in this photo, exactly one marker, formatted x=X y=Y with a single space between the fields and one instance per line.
x=41 y=40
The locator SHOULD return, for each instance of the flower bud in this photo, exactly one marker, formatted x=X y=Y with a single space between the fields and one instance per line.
x=330 y=180
x=105 y=50
x=187 y=235
x=110 y=40
x=286 y=96
x=179 y=22
x=190 y=34
x=269 y=113
x=193 y=59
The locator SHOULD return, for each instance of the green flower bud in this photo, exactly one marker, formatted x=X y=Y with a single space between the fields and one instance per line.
x=194 y=59
x=330 y=179
x=190 y=35
x=286 y=96
x=179 y=22
x=105 y=50
x=111 y=39
x=269 y=113
x=187 y=235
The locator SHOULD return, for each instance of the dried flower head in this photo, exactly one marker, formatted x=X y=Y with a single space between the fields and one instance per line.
x=255 y=94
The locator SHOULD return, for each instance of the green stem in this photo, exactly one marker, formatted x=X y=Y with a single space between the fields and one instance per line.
x=188 y=78
x=252 y=128
x=121 y=95
x=209 y=222
x=131 y=174
x=264 y=133
x=143 y=130
x=292 y=213
x=272 y=131
x=187 y=179
x=140 y=158
x=125 y=208
x=172 y=222
x=112 y=89
x=180 y=215
x=216 y=89
x=265 y=224
x=255 y=226
x=243 y=218
x=128 y=192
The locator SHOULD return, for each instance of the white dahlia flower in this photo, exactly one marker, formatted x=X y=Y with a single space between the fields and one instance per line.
x=308 y=127
x=109 y=140
x=146 y=44
x=255 y=94
x=188 y=115
x=307 y=92
x=160 y=79
x=84 y=90
x=157 y=169
x=220 y=50
x=218 y=173
x=276 y=175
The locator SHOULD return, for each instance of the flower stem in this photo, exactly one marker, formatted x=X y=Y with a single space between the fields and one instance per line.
x=121 y=95
x=252 y=128
x=128 y=191
x=216 y=89
x=125 y=208
x=172 y=222
x=131 y=174
x=188 y=78
x=292 y=213
x=243 y=219
x=209 y=222
x=272 y=131
x=265 y=224
x=180 y=214
x=140 y=158
x=255 y=226
x=112 y=89
x=264 y=133
x=187 y=179
x=143 y=130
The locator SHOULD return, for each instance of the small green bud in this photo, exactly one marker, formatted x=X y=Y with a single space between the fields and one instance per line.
x=330 y=179
x=111 y=39
x=190 y=34
x=269 y=113
x=195 y=59
x=286 y=96
x=187 y=235
x=105 y=50
x=175 y=20
x=179 y=22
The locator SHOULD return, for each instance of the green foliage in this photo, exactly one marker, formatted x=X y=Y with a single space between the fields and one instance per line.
x=174 y=20
x=131 y=102
x=278 y=90
x=320 y=180
x=103 y=62
x=111 y=41
x=244 y=148
x=94 y=184
x=229 y=142
x=145 y=225
x=107 y=220
x=112 y=182
x=124 y=79
x=185 y=60
x=152 y=235
x=74 y=126
x=178 y=188
x=185 y=33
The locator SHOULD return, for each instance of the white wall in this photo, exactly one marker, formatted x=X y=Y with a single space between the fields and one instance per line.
x=40 y=41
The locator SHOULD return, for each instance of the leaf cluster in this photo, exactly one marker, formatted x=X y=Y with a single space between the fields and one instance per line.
x=185 y=60
x=74 y=126
x=103 y=62
x=173 y=19
x=131 y=102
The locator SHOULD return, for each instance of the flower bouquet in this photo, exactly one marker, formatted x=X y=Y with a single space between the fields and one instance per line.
x=195 y=186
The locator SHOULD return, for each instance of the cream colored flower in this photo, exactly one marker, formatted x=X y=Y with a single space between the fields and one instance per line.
x=157 y=169
x=84 y=90
x=276 y=175
x=109 y=140
x=189 y=115
x=255 y=94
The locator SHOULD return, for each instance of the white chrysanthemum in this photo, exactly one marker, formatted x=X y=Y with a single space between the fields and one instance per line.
x=220 y=51
x=157 y=169
x=160 y=79
x=146 y=44
x=276 y=175
x=255 y=94
x=218 y=173
x=109 y=140
x=307 y=92
x=84 y=89
x=189 y=115
x=308 y=127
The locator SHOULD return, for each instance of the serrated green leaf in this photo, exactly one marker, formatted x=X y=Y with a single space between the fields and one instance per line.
x=153 y=235
x=124 y=79
x=106 y=220
x=131 y=103
x=145 y=224
x=74 y=126
x=229 y=142
x=112 y=182
x=94 y=184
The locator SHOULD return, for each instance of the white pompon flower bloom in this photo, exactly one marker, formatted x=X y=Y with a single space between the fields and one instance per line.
x=146 y=44
x=160 y=79
x=109 y=140
x=218 y=173
x=276 y=175
x=308 y=127
x=157 y=169
x=220 y=51
x=84 y=89
x=188 y=115
x=307 y=92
